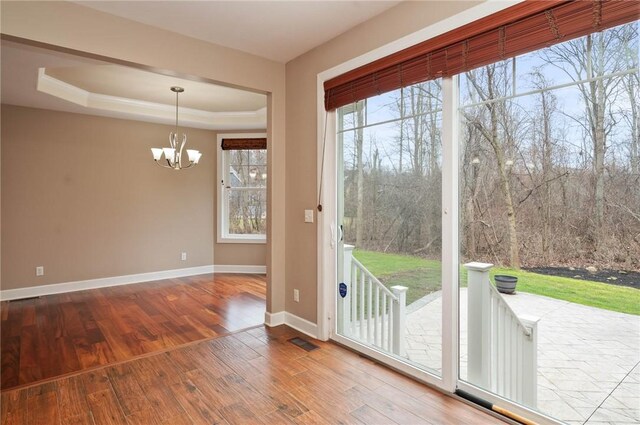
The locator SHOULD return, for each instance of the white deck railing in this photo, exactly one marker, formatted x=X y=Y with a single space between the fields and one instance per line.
x=370 y=312
x=502 y=347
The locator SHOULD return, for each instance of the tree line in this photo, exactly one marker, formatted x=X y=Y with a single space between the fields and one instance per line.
x=547 y=178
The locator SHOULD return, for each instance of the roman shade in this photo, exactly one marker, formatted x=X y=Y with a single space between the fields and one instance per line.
x=523 y=28
x=241 y=144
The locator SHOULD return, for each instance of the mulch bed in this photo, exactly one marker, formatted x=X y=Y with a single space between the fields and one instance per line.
x=612 y=277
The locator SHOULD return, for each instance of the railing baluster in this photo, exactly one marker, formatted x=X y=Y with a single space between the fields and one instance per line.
x=500 y=353
x=384 y=319
x=518 y=374
x=376 y=318
x=505 y=354
x=494 y=341
x=370 y=312
x=514 y=361
x=354 y=296
x=365 y=303
x=498 y=341
x=508 y=357
x=515 y=345
x=391 y=324
x=361 y=310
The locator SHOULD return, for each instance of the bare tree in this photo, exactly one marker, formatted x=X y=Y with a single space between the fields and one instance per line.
x=538 y=170
x=631 y=84
x=493 y=77
x=547 y=109
x=591 y=58
x=359 y=141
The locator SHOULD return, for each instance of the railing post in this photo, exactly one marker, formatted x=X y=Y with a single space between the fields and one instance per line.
x=530 y=362
x=478 y=323
x=399 y=318
x=344 y=304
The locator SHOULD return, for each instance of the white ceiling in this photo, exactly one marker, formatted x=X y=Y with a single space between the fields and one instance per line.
x=277 y=30
x=122 y=81
x=40 y=78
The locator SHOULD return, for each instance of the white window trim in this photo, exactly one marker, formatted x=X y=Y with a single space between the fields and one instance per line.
x=222 y=234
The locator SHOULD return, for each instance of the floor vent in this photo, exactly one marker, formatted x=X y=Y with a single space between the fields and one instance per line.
x=303 y=343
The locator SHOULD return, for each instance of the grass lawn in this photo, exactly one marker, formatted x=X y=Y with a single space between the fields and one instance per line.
x=422 y=277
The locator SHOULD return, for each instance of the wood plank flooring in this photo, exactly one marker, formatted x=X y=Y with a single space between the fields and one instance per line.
x=58 y=334
x=251 y=377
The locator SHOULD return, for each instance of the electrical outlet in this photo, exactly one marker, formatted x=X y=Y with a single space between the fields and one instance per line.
x=296 y=295
x=308 y=216
x=183 y=257
x=40 y=271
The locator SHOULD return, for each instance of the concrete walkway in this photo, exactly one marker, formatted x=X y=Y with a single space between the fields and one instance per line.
x=587 y=357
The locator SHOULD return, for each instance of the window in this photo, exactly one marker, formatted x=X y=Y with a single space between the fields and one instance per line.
x=242 y=194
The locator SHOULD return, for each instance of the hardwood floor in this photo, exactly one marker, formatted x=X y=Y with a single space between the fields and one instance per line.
x=58 y=334
x=251 y=377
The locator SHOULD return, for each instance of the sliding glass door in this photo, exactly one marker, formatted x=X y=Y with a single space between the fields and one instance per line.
x=389 y=185
x=536 y=309
x=549 y=177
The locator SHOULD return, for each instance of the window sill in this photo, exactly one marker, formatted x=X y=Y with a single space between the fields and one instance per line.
x=249 y=239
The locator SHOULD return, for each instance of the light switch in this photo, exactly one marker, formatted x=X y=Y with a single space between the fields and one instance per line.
x=308 y=216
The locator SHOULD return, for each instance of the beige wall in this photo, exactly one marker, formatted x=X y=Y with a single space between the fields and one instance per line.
x=291 y=255
x=70 y=26
x=301 y=79
x=82 y=197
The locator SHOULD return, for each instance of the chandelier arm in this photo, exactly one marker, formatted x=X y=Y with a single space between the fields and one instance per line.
x=191 y=165
x=175 y=141
x=184 y=142
x=161 y=165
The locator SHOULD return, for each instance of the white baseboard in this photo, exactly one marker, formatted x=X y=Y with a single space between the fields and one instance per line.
x=220 y=268
x=274 y=319
x=302 y=325
x=293 y=321
x=81 y=285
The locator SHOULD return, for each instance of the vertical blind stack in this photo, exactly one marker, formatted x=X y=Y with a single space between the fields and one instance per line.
x=525 y=27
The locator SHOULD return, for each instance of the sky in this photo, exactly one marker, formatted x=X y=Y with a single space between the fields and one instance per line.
x=383 y=108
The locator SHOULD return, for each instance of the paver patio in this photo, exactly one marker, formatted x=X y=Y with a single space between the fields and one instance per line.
x=588 y=357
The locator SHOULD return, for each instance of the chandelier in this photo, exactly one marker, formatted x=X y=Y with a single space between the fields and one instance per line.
x=173 y=154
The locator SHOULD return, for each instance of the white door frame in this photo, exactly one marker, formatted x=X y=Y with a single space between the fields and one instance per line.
x=328 y=237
